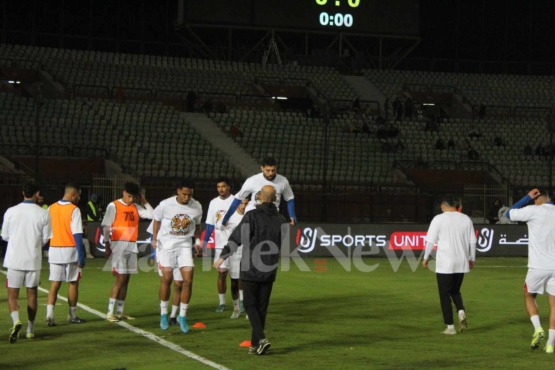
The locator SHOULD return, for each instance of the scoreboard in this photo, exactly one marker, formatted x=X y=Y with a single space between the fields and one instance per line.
x=387 y=17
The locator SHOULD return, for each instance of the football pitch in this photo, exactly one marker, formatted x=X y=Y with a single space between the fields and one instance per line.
x=328 y=317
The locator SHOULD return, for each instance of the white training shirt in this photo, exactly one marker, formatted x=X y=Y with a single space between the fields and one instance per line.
x=216 y=212
x=456 y=242
x=541 y=234
x=26 y=228
x=145 y=212
x=233 y=222
x=254 y=183
x=177 y=223
x=67 y=255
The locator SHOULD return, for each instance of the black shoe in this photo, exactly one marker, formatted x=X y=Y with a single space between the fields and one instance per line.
x=173 y=321
x=263 y=346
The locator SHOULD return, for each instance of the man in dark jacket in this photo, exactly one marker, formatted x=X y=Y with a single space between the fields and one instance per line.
x=260 y=234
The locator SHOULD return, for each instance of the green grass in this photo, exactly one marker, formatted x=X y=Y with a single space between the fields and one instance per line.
x=333 y=319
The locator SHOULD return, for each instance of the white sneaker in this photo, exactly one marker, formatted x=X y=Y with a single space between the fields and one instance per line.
x=111 y=317
x=235 y=314
x=462 y=322
x=449 y=331
x=50 y=321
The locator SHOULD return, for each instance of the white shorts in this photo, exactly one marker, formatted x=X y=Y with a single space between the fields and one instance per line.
x=217 y=253
x=176 y=272
x=22 y=278
x=538 y=281
x=232 y=263
x=176 y=258
x=124 y=262
x=67 y=272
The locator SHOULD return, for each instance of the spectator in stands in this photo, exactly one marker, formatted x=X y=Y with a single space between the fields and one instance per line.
x=221 y=107
x=352 y=126
x=474 y=133
x=498 y=141
x=398 y=109
x=408 y=108
x=356 y=105
x=366 y=127
x=451 y=145
x=473 y=154
x=431 y=125
x=386 y=108
x=420 y=112
x=235 y=131
x=208 y=106
x=387 y=131
x=539 y=150
x=420 y=162
x=399 y=146
x=493 y=212
x=440 y=145
x=191 y=100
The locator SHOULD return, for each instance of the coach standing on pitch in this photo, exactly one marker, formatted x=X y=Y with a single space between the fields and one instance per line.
x=456 y=249
x=259 y=262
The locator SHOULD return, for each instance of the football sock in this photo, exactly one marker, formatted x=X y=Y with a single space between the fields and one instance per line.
x=183 y=309
x=15 y=316
x=174 y=311
x=111 y=304
x=241 y=294
x=551 y=339
x=222 y=298
x=49 y=310
x=163 y=307
x=235 y=305
x=535 y=321
x=72 y=311
x=30 y=327
x=120 y=305
x=450 y=326
x=461 y=312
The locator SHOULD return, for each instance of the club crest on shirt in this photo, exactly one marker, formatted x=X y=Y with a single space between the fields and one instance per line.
x=180 y=224
x=220 y=214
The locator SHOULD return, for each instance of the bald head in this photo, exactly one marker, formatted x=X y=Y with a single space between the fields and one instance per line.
x=267 y=194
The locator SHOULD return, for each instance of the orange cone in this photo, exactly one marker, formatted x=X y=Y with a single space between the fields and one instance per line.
x=245 y=343
x=199 y=325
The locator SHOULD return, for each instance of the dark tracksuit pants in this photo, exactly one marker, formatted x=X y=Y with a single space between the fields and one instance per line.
x=256 y=297
x=449 y=286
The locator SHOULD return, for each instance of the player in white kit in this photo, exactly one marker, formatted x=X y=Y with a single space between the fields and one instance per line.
x=540 y=218
x=177 y=282
x=26 y=228
x=456 y=251
x=233 y=263
x=216 y=211
x=254 y=184
x=176 y=221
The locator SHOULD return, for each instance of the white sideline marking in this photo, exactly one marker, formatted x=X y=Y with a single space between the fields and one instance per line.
x=146 y=334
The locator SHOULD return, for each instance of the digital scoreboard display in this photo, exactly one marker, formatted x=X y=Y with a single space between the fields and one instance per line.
x=388 y=17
